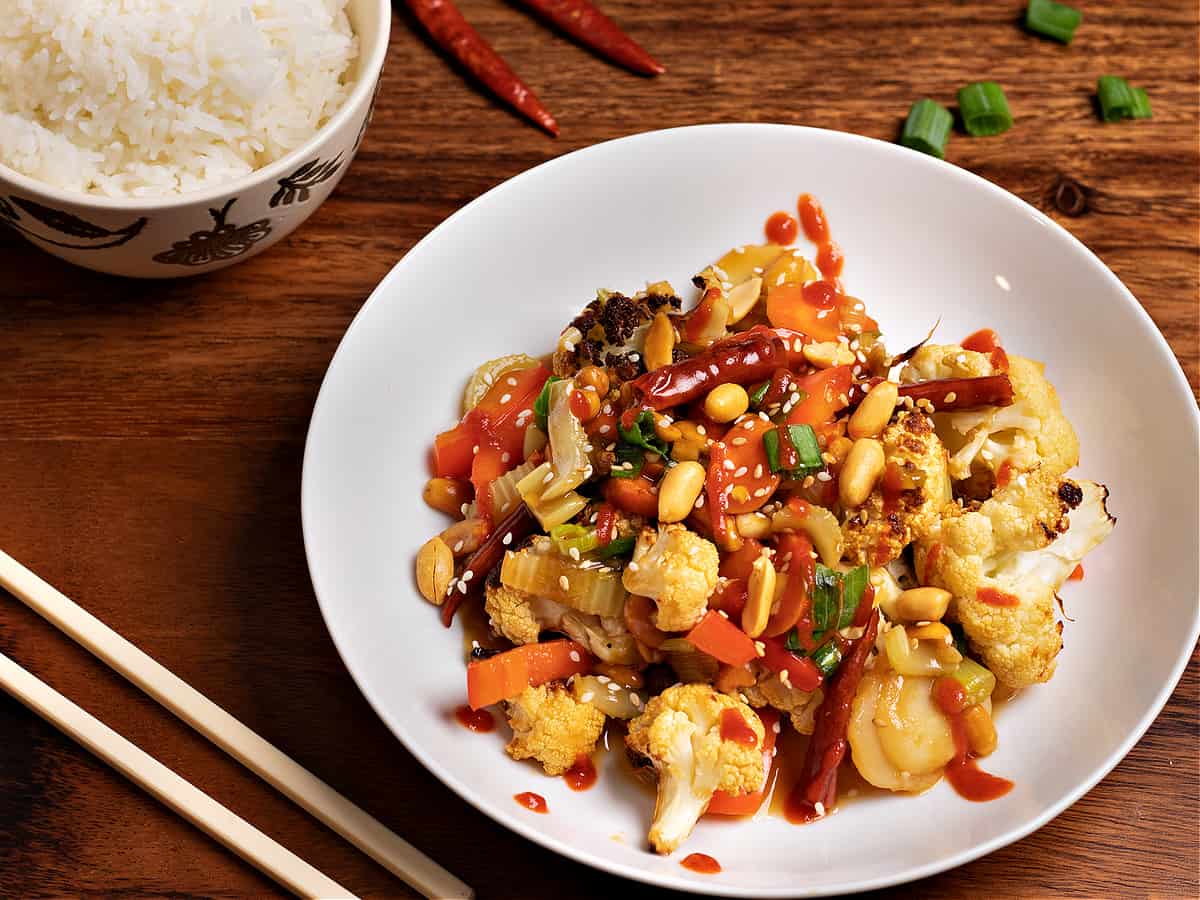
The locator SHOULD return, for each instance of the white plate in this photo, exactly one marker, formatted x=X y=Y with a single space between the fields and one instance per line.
x=922 y=239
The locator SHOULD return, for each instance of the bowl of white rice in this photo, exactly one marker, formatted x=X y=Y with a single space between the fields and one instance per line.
x=162 y=138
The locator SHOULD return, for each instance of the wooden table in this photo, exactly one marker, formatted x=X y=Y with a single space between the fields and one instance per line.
x=152 y=432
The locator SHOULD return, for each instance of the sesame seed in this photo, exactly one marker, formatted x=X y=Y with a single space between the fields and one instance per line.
x=633 y=567
x=604 y=429
x=634 y=357
x=760 y=648
x=635 y=700
x=603 y=679
x=728 y=464
x=950 y=397
x=780 y=279
x=987 y=454
x=588 y=448
x=458 y=545
x=739 y=249
x=721 y=612
x=468 y=575
x=462 y=587
x=794 y=398
x=819 y=807
x=614 y=687
x=701 y=430
x=549 y=477
x=757 y=270
x=699 y=502
x=464 y=509
x=587 y=696
x=507 y=539
x=726 y=285
x=510 y=381
x=738 y=441
x=488 y=378
x=611 y=447
x=1002 y=283
x=564 y=583
x=505 y=457
x=777 y=727
x=785 y=678
x=763 y=416
x=592 y=519
x=574 y=553
x=822 y=313
x=798 y=345
x=474 y=449
x=714 y=370
x=808 y=481
x=741 y=470
x=824 y=476
x=762 y=492
x=505 y=398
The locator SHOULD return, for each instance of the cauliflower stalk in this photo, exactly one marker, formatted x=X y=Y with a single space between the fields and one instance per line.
x=911 y=446
x=1031 y=433
x=551 y=726
x=1004 y=559
x=680 y=733
x=800 y=706
x=677 y=569
x=522 y=617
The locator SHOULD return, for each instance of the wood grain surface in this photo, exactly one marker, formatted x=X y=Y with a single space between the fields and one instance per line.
x=151 y=433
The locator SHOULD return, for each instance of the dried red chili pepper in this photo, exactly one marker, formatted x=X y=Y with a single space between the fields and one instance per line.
x=750 y=356
x=592 y=28
x=724 y=527
x=948 y=393
x=455 y=35
x=818 y=777
x=517 y=526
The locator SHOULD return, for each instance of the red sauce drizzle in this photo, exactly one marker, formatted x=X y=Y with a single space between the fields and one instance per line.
x=1004 y=474
x=606 y=518
x=702 y=863
x=1076 y=575
x=931 y=559
x=987 y=341
x=580 y=407
x=781 y=228
x=737 y=729
x=994 y=597
x=821 y=294
x=816 y=228
x=533 y=802
x=582 y=775
x=479 y=720
x=963 y=773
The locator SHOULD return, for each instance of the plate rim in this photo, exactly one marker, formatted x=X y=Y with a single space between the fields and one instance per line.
x=646 y=876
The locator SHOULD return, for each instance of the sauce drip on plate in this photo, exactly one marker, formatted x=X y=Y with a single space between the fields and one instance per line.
x=963 y=772
x=533 y=802
x=816 y=228
x=477 y=720
x=582 y=775
x=702 y=863
x=780 y=228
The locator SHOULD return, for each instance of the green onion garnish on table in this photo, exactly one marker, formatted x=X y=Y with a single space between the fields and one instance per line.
x=1052 y=20
x=1120 y=101
x=984 y=109
x=1141 y=104
x=927 y=128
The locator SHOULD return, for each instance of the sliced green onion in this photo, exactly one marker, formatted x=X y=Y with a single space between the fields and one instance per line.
x=770 y=442
x=630 y=461
x=541 y=406
x=641 y=434
x=927 y=128
x=804 y=439
x=573 y=537
x=757 y=395
x=977 y=682
x=984 y=109
x=827 y=657
x=1116 y=98
x=792 y=642
x=854 y=583
x=1141 y=104
x=826 y=594
x=1052 y=20
x=616 y=547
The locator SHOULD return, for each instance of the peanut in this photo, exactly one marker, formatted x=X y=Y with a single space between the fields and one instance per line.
x=864 y=464
x=923 y=604
x=760 y=594
x=981 y=731
x=753 y=525
x=448 y=495
x=593 y=377
x=678 y=490
x=827 y=354
x=726 y=402
x=875 y=411
x=435 y=569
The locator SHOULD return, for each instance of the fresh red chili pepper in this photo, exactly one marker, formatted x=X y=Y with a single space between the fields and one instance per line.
x=744 y=358
x=724 y=527
x=592 y=28
x=455 y=35
x=818 y=777
x=948 y=393
x=516 y=527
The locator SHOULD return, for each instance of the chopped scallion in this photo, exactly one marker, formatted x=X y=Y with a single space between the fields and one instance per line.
x=569 y=537
x=927 y=128
x=541 y=406
x=770 y=442
x=854 y=583
x=827 y=657
x=630 y=461
x=757 y=395
x=984 y=109
x=826 y=597
x=641 y=434
x=1141 y=104
x=792 y=642
x=804 y=439
x=1116 y=98
x=616 y=547
x=1052 y=20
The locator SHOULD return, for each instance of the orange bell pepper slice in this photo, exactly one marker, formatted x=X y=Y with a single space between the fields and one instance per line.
x=722 y=640
x=507 y=674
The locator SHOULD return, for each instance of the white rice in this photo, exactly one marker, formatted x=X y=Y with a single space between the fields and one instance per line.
x=135 y=98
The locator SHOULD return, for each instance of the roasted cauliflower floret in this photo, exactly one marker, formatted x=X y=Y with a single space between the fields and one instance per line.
x=680 y=733
x=610 y=332
x=521 y=617
x=1031 y=433
x=677 y=569
x=1004 y=559
x=551 y=726
x=800 y=706
x=875 y=537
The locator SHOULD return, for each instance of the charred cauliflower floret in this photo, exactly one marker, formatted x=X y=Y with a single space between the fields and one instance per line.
x=521 y=617
x=551 y=726
x=1031 y=433
x=680 y=733
x=610 y=331
x=800 y=706
x=1004 y=559
x=677 y=569
x=874 y=536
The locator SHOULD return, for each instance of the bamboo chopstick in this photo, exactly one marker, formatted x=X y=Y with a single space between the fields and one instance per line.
x=265 y=760
x=271 y=858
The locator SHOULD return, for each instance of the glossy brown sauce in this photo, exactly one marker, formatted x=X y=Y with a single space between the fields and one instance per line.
x=702 y=863
x=532 y=802
x=476 y=630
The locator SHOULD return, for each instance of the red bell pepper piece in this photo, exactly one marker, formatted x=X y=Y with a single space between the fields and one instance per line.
x=802 y=672
x=724 y=527
x=722 y=640
x=826 y=393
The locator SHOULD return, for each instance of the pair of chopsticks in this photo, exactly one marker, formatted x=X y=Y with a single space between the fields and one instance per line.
x=268 y=762
x=577 y=18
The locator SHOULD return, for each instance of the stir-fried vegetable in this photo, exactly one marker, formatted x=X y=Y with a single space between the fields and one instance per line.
x=505 y=675
x=587 y=587
x=722 y=640
x=977 y=682
x=569 y=445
